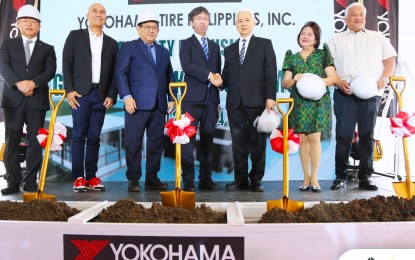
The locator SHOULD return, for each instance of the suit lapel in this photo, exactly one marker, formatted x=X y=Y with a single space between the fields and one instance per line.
x=36 y=49
x=18 y=46
x=251 y=48
x=105 y=42
x=143 y=48
x=198 y=46
x=159 y=53
x=85 y=35
x=235 y=52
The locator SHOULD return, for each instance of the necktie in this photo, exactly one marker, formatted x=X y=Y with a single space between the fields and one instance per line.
x=27 y=51
x=242 y=52
x=152 y=51
x=205 y=48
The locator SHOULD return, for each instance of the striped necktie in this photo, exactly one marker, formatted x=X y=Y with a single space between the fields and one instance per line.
x=205 y=48
x=242 y=52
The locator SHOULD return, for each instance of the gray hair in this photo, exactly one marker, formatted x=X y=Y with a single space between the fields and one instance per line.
x=353 y=5
x=245 y=11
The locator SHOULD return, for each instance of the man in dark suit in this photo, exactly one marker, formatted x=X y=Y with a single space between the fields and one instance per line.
x=250 y=76
x=27 y=65
x=200 y=60
x=142 y=73
x=87 y=65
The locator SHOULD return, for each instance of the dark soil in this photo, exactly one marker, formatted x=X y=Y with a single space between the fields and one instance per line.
x=128 y=211
x=36 y=210
x=376 y=209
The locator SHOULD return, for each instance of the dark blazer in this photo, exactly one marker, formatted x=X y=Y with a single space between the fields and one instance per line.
x=255 y=80
x=77 y=67
x=136 y=74
x=197 y=68
x=41 y=69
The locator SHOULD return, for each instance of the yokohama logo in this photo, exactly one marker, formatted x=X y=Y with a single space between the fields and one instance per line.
x=88 y=250
x=107 y=247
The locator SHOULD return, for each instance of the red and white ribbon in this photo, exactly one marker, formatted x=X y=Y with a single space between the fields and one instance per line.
x=277 y=141
x=403 y=124
x=59 y=136
x=180 y=131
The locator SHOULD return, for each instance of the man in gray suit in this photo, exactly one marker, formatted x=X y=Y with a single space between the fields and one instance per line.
x=27 y=65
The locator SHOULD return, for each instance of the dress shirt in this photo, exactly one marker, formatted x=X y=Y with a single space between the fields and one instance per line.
x=96 y=49
x=248 y=39
x=360 y=53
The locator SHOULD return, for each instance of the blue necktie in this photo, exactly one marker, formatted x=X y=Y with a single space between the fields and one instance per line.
x=152 y=51
x=205 y=48
x=242 y=52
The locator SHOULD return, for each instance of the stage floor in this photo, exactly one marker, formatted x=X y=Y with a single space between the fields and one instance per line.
x=273 y=190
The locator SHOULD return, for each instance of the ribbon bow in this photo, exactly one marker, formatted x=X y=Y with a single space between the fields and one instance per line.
x=59 y=136
x=180 y=131
x=403 y=124
x=277 y=141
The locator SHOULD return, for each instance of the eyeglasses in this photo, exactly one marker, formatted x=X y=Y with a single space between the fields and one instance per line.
x=150 y=28
x=205 y=19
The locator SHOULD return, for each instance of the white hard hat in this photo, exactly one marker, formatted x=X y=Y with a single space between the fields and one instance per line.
x=146 y=16
x=364 y=87
x=28 y=11
x=311 y=86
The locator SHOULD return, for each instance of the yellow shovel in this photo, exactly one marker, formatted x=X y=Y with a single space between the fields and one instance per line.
x=404 y=189
x=177 y=197
x=39 y=194
x=285 y=203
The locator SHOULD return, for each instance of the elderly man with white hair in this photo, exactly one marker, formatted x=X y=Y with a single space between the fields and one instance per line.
x=358 y=53
x=250 y=77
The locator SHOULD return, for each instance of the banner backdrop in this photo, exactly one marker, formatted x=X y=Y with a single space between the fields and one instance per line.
x=279 y=21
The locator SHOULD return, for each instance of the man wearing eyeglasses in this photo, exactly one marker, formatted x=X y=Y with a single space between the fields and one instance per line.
x=88 y=65
x=142 y=74
x=200 y=60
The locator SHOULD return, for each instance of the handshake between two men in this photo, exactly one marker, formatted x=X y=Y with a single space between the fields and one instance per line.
x=216 y=79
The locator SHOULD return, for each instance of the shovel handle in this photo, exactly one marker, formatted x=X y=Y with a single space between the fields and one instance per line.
x=50 y=135
x=290 y=101
x=178 y=116
x=404 y=141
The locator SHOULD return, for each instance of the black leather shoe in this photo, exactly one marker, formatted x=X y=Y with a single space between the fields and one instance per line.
x=315 y=188
x=304 y=188
x=133 y=186
x=256 y=186
x=208 y=184
x=367 y=185
x=156 y=184
x=237 y=186
x=338 y=184
x=30 y=187
x=189 y=186
x=10 y=190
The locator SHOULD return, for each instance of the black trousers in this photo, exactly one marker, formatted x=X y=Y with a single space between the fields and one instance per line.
x=15 y=118
x=205 y=115
x=246 y=141
x=349 y=111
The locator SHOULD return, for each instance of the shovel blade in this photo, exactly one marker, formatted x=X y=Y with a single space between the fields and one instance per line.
x=177 y=197
x=168 y=198
x=285 y=204
x=187 y=199
x=404 y=189
x=378 y=151
x=38 y=195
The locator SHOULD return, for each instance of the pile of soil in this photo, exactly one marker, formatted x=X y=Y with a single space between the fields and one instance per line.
x=128 y=211
x=36 y=210
x=376 y=209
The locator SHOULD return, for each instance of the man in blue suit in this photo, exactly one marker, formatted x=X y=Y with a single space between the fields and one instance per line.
x=200 y=60
x=142 y=74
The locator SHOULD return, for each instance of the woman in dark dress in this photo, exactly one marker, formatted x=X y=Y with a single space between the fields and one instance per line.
x=309 y=117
